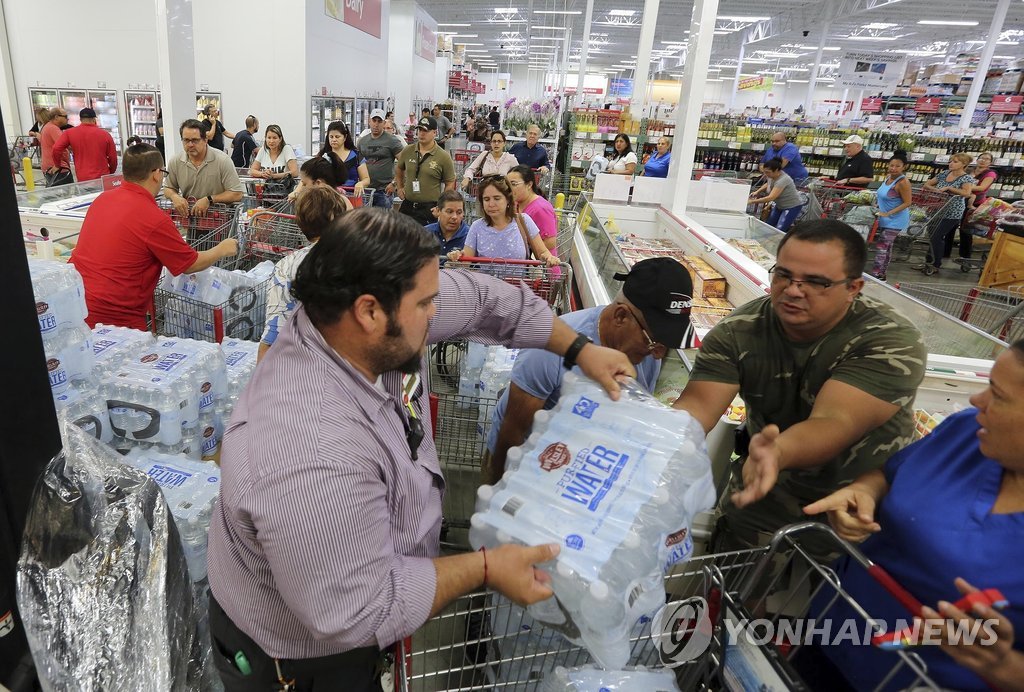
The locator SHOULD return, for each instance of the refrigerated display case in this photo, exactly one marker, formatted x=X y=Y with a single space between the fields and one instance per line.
x=325 y=110
x=107 y=113
x=206 y=98
x=141 y=108
x=51 y=217
x=362 y=113
x=73 y=101
x=42 y=98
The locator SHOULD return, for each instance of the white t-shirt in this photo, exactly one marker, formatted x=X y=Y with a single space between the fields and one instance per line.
x=280 y=165
x=619 y=165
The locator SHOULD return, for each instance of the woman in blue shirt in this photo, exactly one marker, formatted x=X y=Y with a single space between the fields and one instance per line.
x=657 y=164
x=949 y=520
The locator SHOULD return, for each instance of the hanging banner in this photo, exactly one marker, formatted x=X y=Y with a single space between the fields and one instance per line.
x=424 y=36
x=930 y=104
x=756 y=84
x=360 y=14
x=1006 y=104
x=871 y=105
x=859 y=70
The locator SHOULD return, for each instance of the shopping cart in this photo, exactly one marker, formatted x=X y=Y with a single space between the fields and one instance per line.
x=927 y=209
x=984 y=235
x=360 y=200
x=267 y=192
x=836 y=201
x=194 y=228
x=25 y=146
x=726 y=591
x=995 y=311
x=463 y=418
x=268 y=235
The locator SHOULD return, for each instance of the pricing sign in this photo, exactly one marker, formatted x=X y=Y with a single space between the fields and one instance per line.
x=928 y=104
x=1006 y=104
x=871 y=105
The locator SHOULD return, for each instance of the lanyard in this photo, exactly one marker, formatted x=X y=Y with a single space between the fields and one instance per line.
x=420 y=158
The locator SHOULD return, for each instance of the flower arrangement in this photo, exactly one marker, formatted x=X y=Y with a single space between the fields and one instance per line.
x=521 y=114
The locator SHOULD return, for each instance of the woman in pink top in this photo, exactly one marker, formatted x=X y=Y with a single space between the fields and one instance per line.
x=528 y=199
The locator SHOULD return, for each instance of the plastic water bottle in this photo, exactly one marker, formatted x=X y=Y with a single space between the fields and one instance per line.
x=59 y=294
x=592 y=679
x=113 y=345
x=240 y=361
x=86 y=408
x=69 y=356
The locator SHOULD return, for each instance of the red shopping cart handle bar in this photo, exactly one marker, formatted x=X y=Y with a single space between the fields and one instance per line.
x=905 y=638
x=500 y=260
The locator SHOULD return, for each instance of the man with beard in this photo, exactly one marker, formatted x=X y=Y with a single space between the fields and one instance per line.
x=324 y=545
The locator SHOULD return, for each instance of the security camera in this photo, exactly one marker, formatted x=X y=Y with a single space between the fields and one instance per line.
x=806 y=34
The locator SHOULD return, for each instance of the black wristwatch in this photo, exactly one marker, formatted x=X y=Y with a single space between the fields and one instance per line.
x=209 y=198
x=569 y=360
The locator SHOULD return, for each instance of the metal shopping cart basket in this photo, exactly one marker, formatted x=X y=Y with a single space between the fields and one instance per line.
x=194 y=228
x=999 y=312
x=269 y=235
x=463 y=418
x=927 y=209
x=711 y=597
x=268 y=192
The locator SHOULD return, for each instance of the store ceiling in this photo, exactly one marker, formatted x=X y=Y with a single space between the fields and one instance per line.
x=533 y=33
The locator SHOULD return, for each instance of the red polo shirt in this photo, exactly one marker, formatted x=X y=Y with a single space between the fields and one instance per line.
x=125 y=240
x=94 y=150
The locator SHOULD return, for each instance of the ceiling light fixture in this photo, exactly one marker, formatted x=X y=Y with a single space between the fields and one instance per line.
x=506 y=10
x=871 y=38
x=622 y=13
x=799 y=81
x=879 y=25
x=943 y=22
x=743 y=19
x=453 y=24
x=556 y=28
x=558 y=12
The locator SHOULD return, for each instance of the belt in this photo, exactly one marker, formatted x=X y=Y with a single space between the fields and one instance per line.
x=421 y=205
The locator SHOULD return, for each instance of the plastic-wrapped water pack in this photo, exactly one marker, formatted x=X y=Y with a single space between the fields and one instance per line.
x=591 y=679
x=240 y=359
x=59 y=293
x=112 y=345
x=495 y=374
x=616 y=485
x=103 y=586
x=190 y=489
x=69 y=356
x=243 y=296
x=85 y=407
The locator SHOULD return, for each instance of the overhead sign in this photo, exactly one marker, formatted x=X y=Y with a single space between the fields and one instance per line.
x=859 y=70
x=360 y=14
x=620 y=87
x=928 y=104
x=871 y=105
x=425 y=38
x=756 y=84
x=1006 y=104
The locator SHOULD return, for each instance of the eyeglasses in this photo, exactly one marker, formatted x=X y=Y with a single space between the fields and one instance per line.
x=162 y=170
x=817 y=284
x=191 y=140
x=515 y=183
x=657 y=350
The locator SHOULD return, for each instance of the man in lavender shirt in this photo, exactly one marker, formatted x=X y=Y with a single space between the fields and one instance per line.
x=324 y=543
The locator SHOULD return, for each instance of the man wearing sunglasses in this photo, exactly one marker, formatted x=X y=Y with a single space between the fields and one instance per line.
x=127 y=239
x=324 y=548
x=827 y=374
x=649 y=317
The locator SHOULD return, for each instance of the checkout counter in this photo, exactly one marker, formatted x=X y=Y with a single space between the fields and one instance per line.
x=611 y=236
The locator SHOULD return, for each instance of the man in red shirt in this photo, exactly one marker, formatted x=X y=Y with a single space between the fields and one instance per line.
x=48 y=136
x=93 y=147
x=125 y=241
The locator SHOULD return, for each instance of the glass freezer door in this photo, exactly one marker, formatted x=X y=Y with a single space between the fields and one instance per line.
x=207 y=98
x=105 y=105
x=73 y=101
x=141 y=108
x=42 y=98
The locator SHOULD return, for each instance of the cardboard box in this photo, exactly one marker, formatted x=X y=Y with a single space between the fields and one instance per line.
x=707 y=283
x=1009 y=83
x=919 y=90
x=945 y=78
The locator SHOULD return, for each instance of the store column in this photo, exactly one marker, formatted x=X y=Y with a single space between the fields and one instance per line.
x=175 y=51
x=401 y=33
x=691 y=102
x=643 y=57
x=739 y=69
x=584 y=52
x=828 y=13
x=994 y=30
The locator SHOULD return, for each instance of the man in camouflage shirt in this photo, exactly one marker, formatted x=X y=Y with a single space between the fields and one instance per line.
x=828 y=377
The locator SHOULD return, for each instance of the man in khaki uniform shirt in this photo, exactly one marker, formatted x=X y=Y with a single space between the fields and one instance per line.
x=423 y=171
x=201 y=173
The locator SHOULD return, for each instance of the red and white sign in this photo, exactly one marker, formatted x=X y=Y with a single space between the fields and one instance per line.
x=586 y=90
x=426 y=40
x=111 y=181
x=360 y=14
x=871 y=105
x=928 y=104
x=1006 y=104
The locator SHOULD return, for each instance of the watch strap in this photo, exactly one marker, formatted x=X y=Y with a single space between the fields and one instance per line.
x=569 y=360
x=209 y=198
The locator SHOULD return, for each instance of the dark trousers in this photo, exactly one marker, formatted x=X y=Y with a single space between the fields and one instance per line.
x=420 y=212
x=383 y=199
x=355 y=670
x=945 y=229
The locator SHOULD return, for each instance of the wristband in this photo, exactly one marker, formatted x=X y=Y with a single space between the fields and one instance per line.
x=569 y=360
x=484 y=551
x=209 y=198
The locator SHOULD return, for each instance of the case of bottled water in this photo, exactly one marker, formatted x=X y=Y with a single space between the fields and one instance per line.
x=211 y=431
x=469 y=373
x=495 y=375
x=241 y=295
x=615 y=484
x=591 y=679
x=113 y=345
x=190 y=489
x=240 y=359
x=69 y=355
x=59 y=293
x=86 y=407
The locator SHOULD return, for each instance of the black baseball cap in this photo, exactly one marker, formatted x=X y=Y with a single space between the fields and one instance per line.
x=427 y=122
x=661 y=288
x=87 y=113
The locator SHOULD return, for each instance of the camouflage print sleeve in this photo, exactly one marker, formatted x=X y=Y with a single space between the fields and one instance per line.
x=718 y=357
x=887 y=362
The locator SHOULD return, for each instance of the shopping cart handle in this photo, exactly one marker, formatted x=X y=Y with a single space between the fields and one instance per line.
x=501 y=260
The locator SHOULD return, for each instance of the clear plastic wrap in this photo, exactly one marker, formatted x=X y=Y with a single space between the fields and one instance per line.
x=616 y=485
x=591 y=679
x=103 y=586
